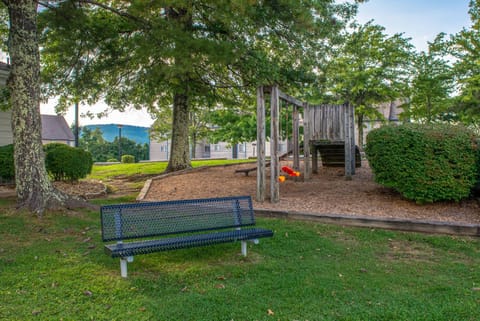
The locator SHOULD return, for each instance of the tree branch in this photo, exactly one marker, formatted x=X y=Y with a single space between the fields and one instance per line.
x=118 y=12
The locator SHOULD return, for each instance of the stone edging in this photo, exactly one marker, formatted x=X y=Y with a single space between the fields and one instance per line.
x=451 y=228
x=98 y=194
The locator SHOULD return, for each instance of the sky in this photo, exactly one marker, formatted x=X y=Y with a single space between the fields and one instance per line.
x=420 y=20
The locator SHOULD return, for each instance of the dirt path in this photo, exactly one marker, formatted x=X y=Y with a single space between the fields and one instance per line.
x=327 y=193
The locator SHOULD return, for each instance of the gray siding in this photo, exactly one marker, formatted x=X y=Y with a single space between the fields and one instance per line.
x=159 y=150
x=6 y=136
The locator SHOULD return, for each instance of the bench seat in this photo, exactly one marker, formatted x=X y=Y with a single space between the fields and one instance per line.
x=187 y=241
x=143 y=228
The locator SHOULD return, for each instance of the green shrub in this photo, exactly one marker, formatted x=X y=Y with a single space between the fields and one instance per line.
x=128 y=159
x=425 y=163
x=476 y=188
x=112 y=160
x=67 y=163
x=7 y=167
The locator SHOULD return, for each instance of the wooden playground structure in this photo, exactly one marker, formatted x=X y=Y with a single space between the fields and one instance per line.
x=327 y=129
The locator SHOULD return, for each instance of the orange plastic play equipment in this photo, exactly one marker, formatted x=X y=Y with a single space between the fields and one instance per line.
x=281 y=178
x=290 y=171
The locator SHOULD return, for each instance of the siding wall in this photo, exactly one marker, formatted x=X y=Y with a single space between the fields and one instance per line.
x=6 y=136
x=159 y=151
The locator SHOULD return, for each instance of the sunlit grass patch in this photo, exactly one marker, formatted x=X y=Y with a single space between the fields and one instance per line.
x=55 y=268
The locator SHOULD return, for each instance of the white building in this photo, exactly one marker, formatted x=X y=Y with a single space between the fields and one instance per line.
x=203 y=150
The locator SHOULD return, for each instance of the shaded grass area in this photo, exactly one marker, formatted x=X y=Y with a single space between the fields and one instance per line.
x=55 y=268
x=103 y=172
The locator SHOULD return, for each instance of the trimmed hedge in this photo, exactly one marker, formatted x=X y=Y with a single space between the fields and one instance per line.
x=127 y=159
x=67 y=163
x=7 y=166
x=425 y=163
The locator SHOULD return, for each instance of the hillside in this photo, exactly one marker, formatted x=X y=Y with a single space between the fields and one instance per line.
x=110 y=131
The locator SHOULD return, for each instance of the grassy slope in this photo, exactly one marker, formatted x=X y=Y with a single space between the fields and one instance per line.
x=55 y=269
x=151 y=168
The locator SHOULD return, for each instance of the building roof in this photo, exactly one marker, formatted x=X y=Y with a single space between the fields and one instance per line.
x=55 y=127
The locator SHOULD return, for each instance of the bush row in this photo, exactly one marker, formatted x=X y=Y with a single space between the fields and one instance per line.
x=425 y=163
x=61 y=161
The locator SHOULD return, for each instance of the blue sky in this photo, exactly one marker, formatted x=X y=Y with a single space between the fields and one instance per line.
x=420 y=20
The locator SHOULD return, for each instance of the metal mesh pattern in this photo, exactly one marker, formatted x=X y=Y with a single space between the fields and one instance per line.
x=145 y=247
x=128 y=221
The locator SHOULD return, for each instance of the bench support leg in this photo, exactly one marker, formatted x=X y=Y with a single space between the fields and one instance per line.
x=123 y=265
x=244 y=248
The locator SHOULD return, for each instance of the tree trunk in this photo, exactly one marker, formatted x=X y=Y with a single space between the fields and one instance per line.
x=33 y=187
x=179 y=154
x=360 y=130
x=429 y=110
x=194 y=145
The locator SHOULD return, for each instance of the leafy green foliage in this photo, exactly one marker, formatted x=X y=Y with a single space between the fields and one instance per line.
x=188 y=55
x=128 y=159
x=425 y=163
x=431 y=86
x=7 y=166
x=102 y=150
x=464 y=46
x=67 y=163
x=369 y=68
x=234 y=126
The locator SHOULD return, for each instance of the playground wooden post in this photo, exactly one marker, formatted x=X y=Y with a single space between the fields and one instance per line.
x=349 y=141
x=351 y=125
x=274 y=143
x=295 y=134
x=306 y=142
x=261 y=163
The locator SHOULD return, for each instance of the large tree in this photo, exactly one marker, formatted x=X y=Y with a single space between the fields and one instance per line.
x=33 y=187
x=465 y=48
x=182 y=54
x=430 y=90
x=369 y=68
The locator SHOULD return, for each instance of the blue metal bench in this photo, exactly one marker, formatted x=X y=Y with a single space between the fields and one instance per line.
x=177 y=224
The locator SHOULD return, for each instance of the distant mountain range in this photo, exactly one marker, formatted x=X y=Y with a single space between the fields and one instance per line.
x=135 y=133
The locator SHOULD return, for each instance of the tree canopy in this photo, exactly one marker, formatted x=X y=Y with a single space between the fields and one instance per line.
x=183 y=54
x=369 y=68
x=431 y=87
x=465 y=49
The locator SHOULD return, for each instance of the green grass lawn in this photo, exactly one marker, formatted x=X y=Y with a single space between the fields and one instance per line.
x=151 y=168
x=55 y=269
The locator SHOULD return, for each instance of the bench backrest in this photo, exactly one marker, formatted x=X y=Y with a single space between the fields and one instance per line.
x=138 y=220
